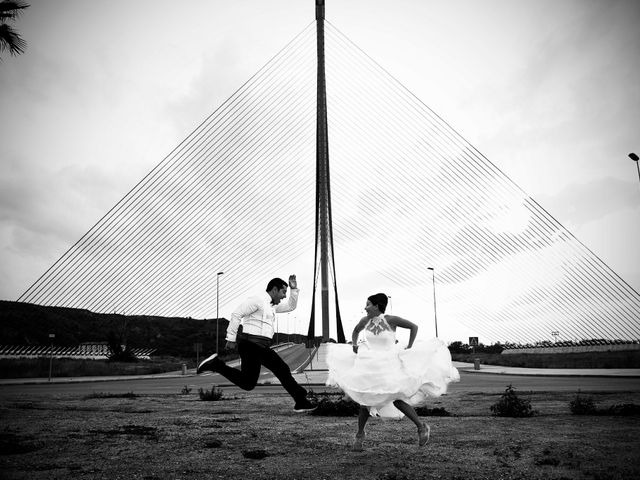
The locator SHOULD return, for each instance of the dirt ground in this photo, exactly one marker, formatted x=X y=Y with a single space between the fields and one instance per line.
x=258 y=436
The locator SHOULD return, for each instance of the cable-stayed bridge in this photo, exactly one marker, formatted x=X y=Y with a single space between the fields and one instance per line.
x=408 y=194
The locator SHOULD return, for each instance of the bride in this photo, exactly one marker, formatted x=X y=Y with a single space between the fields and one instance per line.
x=386 y=380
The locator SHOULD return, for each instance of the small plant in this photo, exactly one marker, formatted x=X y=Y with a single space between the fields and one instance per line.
x=583 y=406
x=625 y=410
x=258 y=454
x=212 y=395
x=510 y=405
x=432 y=412
x=338 y=406
x=119 y=352
x=185 y=390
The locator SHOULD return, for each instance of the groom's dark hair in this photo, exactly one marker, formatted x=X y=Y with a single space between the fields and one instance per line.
x=276 y=282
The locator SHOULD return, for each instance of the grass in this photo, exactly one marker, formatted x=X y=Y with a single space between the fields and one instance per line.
x=256 y=435
x=67 y=367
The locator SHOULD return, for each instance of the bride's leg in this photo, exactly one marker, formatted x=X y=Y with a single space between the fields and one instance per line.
x=409 y=411
x=363 y=416
x=423 y=429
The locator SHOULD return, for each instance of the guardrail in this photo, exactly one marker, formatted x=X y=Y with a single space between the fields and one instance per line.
x=574 y=349
x=81 y=352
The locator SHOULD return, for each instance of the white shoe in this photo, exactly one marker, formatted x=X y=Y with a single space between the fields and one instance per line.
x=208 y=364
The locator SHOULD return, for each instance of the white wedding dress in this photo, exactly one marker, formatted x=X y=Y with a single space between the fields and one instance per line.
x=382 y=371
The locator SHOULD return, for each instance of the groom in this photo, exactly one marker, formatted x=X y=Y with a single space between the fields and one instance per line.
x=251 y=329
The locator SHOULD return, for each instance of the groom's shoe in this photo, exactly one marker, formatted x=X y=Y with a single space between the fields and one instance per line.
x=304 y=406
x=209 y=364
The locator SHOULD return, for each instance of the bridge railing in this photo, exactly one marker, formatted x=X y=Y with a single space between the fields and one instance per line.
x=569 y=346
x=82 y=352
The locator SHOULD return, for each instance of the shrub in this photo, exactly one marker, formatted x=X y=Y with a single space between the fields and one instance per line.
x=432 y=412
x=625 y=410
x=118 y=353
x=210 y=395
x=185 y=390
x=510 y=405
x=258 y=454
x=582 y=406
x=339 y=406
x=124 y=355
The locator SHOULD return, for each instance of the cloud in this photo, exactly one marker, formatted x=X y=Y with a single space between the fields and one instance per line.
x=588 y=202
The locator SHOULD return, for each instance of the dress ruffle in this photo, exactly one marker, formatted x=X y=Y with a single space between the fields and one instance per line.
x=375 y=378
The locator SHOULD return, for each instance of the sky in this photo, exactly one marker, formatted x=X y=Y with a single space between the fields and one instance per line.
x=549 y=91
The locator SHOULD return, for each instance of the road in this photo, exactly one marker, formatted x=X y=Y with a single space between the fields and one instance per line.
x=470 y=382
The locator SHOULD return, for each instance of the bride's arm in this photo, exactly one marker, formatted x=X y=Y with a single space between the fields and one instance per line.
x=356 y=331
x=395 y=322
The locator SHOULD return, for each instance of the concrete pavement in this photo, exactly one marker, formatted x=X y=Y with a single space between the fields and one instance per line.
x=319 y=377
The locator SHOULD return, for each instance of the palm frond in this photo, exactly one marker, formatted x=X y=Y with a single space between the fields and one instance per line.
x=11 y=9
x=10 y=40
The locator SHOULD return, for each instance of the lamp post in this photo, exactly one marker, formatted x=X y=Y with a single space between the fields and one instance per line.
x=435 y=316
x=218 y=308
x=51 y=336
x=634 y=157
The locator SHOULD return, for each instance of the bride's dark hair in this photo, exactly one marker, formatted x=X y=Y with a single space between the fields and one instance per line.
x=380 y=300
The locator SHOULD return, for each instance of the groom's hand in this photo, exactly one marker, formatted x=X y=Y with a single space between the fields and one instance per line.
x=293 y=282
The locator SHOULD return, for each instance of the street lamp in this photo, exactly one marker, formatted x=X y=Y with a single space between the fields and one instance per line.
x=218 y=308
x=435 y=316
x=51 y=336
x=634 y=157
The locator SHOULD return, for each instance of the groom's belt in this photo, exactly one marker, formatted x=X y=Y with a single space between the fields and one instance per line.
x=257 y=339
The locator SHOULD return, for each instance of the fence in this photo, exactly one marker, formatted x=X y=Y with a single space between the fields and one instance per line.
x=84 y=352
x=569 y=348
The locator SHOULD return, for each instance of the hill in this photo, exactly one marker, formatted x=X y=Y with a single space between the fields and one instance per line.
x=29 y=324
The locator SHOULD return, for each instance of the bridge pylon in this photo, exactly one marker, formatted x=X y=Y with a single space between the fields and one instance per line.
x=323 y=258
